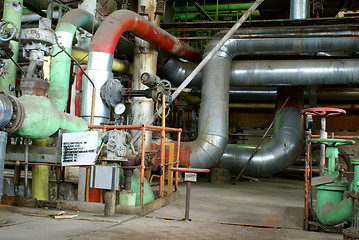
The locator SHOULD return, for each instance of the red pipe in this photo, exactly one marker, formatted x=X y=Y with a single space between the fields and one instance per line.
x=78 y=88
x=110 y=31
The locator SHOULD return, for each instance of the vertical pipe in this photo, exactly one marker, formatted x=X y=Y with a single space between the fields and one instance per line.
x=142 y=175
x=163 y=149
x=145 y=60
x=12 y=13
x=110 y=199
x=26 y=184
x=3 y=140
x=188 y=192
x=299 y=9
x=40 y=175
x=177 y=159
x=323 y=134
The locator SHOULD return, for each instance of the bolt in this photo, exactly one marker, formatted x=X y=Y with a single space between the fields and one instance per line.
x=11 y=87
x=9 y=125
x=14 y=117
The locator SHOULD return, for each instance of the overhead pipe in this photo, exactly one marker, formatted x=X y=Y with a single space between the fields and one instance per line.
x=273 y=72
x=103 y=48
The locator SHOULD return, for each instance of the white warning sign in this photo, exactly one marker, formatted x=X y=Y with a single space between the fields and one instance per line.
x=79 y=148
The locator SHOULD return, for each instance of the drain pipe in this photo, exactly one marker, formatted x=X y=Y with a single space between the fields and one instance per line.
x=12 y=13
x=103 y=47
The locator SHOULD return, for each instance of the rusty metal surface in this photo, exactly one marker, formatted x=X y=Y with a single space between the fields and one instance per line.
x=34 y=86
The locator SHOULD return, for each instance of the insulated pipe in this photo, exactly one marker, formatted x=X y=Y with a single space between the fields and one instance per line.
x=212 y=138
x=3 y=141
x=42 y=119
x=12 y=13
x=273 y=72
x=103 y=47
x=113 y=26
x=61 y=63
x=282 y=150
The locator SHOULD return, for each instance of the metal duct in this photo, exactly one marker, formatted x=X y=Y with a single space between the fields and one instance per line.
x=279 y=153
x=274 y=72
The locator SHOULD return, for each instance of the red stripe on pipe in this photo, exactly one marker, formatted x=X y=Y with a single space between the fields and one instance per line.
x=110 y=31
x=78 y=88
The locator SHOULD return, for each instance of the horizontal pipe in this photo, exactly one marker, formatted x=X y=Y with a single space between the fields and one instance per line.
x=42 y=119
x=273 y=72
x=119 y=66
x=111 y=29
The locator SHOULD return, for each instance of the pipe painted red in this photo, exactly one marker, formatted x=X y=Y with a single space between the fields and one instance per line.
x=110 y=31
x=78 y=88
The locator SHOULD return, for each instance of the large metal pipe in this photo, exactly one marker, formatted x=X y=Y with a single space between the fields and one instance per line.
x=274 y=72
x=299 y=9
x=212 y=139
x=103 y=47
x=282 y=150
x=3 y=141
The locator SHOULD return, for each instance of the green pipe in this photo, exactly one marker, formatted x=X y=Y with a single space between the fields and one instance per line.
x=61 y=63
x=40 y=175
x=42 y=119
x=12 y=13
x=212 y=8
x=191 y=16
x=331 y=208
x=332 y=154
x=355 y=184
x=148 y=195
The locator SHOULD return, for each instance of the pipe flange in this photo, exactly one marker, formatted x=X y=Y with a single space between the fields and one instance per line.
x=6 y=110
x=17 y=117
x=37 y=35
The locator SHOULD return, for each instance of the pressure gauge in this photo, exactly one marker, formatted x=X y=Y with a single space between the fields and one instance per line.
x=120 y=108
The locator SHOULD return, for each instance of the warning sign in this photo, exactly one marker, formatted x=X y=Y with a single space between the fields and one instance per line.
x=79 y=148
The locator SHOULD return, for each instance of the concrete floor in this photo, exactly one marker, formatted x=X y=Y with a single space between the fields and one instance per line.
x=270 y=209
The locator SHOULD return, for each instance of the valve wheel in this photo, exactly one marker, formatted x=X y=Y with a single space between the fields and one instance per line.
x=330 y=142
x=324 y=112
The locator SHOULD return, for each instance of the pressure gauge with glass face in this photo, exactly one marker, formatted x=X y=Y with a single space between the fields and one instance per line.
x=120 y=108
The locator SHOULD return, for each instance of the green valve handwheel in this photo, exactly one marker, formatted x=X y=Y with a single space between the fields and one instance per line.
x=330 y=142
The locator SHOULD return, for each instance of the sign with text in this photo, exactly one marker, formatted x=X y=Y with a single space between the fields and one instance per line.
x=79 y=148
